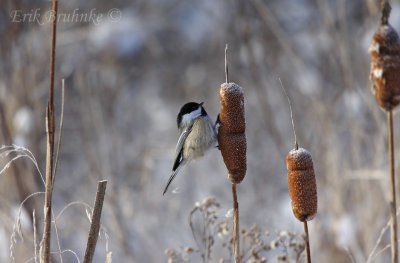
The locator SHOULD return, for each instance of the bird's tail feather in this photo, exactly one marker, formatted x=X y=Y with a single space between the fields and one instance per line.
x=174 y=173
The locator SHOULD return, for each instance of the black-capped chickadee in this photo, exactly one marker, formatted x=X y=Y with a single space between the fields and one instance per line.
x=197 y=135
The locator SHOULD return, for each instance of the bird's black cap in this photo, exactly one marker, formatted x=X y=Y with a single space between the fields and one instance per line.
x=188 y=108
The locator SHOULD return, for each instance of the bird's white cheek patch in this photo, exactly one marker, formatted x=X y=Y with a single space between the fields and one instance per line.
x=186 y=119
x=189 y=117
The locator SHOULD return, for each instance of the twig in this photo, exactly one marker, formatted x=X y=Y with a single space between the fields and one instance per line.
x=235 y=225
x=95 y=224
x=393 y=223
x=307 y=242
x=381 y=251
x=373 y=255
x=226 y=63
x=291 y=115
x=50 y=124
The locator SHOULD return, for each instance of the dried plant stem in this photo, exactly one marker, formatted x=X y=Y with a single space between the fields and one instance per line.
x=226 y=63
x=35 y=237
x=59 y=130
x=55 y=166
x=50 y=122
x=393 y=223
x=296 y=145
x=308 y=253
x=58 y=238
x=53 y=49
x=45 y=257
x=95 y=222
x=236 y=236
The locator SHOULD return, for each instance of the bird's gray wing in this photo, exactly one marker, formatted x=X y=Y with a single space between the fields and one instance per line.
x=182 y=139
x=178 y=156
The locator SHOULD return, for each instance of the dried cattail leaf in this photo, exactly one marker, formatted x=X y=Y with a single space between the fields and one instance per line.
x=231 y=135
x=302 y=184
x=385 y=65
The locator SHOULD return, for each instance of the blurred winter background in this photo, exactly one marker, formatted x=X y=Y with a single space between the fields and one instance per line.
x=130 y=67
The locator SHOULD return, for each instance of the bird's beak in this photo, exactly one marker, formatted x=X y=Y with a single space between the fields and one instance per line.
x=201 y=103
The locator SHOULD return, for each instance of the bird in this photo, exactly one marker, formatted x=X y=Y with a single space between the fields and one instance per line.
x=197 y=135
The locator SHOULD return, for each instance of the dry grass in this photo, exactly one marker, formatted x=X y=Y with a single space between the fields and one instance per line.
x=215 y=243
x=21 y=237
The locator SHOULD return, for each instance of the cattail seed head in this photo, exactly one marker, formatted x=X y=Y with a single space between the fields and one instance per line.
x=385 y=63
x=231 y=135
x=232 y=108
x=302 y=184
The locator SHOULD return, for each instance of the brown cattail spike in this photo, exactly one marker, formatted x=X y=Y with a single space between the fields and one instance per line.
x=385 y=63
x=302 y=184
x=231 y=135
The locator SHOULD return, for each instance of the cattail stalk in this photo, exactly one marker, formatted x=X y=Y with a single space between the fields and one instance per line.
x=393 y=221
x=307 y=239
x=232 y=143
x=301 y=182
x=235 y=230
x=384 y=75
x=236 y=238
x=50 y=127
